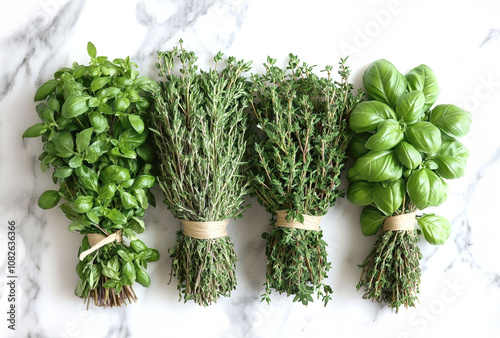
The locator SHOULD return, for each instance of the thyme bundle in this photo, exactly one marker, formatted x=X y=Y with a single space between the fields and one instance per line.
x=200 y=133
x=300 y=151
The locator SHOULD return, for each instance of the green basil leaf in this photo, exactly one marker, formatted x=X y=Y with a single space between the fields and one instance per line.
x=75 y=105
x=142 y=277
x=128 y=273
x=357 y=146
x=48 y=199
x=368 y=115
x=35 y=130
x=107 y=191
x=146 y=152
x=63 y=143
x=128 y=200
x=82 y=204
x=83 y=139
x=96 y=150
x=451 y=120
x=426 y=189
x=388 y=135
x=389 y=197
x=383 y=82
x=424 y=136
x=63 y=172
x=98 y=122
x=125 y=256
x=146 y=84
x=78 y=225
x=109 y=272
x=116 y=174
x=422 y=78
x=451 y=159
x=410 y=106
x=143 y=181
x=151 y=255
x=360 y=193
x=46 y=89
x=91 y=50
x=130 y=139
x=141 y=197
x=136 y=122
x=94 y=102
x=408 y=155
x=93 y=215
x=76 y=161
x=371 y=219
x=378 y=166
x=45 y=112
x=87 y=177
x=138 y=246
x=137 y=225
x=116 y=216
x=99 y=82
x=436 y=229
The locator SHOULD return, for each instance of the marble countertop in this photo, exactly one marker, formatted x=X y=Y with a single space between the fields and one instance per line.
x=459 y=40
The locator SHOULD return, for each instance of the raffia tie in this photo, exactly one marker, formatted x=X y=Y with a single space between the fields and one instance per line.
x=205 y=230
x=310 y=222
x=400 y=222
x=97 y=241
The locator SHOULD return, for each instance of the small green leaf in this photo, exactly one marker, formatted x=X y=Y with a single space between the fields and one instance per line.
x=98 y=122
x=63 y=172
x=35 y=130
x=48 y=199
x=91 y=50
x=78 y=225
x=63 y=143
x=46 y=89
x=116 y=174
x=136 y=123
x=128 y=273
x=83 y=139
x=75 y=106
x=82 y=204
x=143 y=277
x=138 y=246
x=76 y=161
x=116 y=216
x=99 y=82
x=128 y=200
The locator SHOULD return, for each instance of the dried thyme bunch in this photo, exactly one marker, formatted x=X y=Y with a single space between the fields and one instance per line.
x=301 y=120
x=200 y=134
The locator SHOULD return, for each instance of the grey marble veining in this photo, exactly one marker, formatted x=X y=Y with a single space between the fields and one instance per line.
x=460 y=290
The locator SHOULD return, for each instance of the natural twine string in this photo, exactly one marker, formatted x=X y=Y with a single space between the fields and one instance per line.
x=310 y=222
x=400 y=222
x=205 y=230
x=97 y=241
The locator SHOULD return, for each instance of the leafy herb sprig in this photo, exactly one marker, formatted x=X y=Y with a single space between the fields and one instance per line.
x=94 y=133
x=200 y=133
x=405 y=150
x=299 y=156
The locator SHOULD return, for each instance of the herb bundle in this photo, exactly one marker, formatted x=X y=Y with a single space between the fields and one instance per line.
x=300 y=151
x=200 y=134
x=94 y=135
x=404 y=151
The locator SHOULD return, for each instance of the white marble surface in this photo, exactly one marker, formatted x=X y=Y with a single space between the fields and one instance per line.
x=460 y=40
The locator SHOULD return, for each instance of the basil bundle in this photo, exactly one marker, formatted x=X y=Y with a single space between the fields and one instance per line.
x=200 y=134
x=95 y=137
x=300 y=151
x=404 y=151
